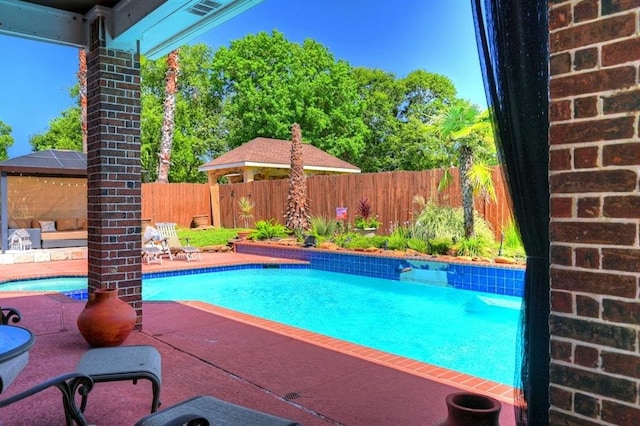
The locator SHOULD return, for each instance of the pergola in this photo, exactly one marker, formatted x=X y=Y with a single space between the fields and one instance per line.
x=115 y=33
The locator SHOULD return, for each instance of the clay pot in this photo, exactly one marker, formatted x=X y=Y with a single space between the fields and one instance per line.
x=470 y=409
x=106 y=319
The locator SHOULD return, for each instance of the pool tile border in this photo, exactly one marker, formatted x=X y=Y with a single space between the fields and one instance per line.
x=442 y=375
x=494 y=278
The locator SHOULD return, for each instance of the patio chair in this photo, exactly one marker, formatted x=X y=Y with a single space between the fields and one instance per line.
x=206 y=410
x=12 y=365
x=154 y=246
x=170 y=238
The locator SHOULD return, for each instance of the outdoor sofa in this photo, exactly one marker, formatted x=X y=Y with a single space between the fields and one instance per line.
x=52 y=233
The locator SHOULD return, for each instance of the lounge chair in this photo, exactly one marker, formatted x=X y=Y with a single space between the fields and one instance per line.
x=153 y=246
x=175 y=247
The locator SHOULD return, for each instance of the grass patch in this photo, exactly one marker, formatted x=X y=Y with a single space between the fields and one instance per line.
x=208 y=237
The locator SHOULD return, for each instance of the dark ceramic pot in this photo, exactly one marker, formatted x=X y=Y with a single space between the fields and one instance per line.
x=106 y=319
x=470 y=409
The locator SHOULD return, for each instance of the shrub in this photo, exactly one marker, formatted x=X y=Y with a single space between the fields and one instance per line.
x=323 y=227
x=473 y=247
x=358 y=242
x=266 y=229
x=396 y=242
x=444 y=222
x=439 y=245
x=511 y=240
x=417 y=244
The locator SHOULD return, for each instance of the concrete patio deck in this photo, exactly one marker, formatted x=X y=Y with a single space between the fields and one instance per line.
x=235 y=357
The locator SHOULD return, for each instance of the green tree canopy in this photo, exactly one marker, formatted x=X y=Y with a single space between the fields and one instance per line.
x=269 y=83
x=65 y=132
x=6 y=140
x=396 y=112
x=261 y=84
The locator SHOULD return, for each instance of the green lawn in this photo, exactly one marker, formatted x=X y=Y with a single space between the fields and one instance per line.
x=208 y=237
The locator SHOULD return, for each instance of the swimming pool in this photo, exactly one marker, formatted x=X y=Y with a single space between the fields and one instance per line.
x=462 y=330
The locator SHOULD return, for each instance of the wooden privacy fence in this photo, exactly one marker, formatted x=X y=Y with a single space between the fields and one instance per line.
x=175 y=202
x=391 y=195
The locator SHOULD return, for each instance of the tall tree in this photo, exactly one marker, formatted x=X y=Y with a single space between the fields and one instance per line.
x=268 y=83
x=199 y=131
x=396 y=112
x=6 y=140
x=297 y=216
x=82 y=81
x=466 y=133
x=168 y=124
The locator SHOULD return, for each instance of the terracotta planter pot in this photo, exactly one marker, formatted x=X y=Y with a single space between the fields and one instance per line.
x=470 y=409
x=243 y=235
x=106 y=319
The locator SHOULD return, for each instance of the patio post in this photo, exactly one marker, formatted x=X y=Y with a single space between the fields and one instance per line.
x=113 y=169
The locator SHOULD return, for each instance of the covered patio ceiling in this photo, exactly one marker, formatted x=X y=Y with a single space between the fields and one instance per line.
x=154 y=27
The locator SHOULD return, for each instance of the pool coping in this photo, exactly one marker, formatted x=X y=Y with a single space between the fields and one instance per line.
x=425 y=370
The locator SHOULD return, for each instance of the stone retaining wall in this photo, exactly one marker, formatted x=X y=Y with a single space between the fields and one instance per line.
x=45 y=255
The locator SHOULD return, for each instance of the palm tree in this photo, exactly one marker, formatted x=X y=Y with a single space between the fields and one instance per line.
x=467 y=136
x=297 y=215
x=82 y=80
x=166 y=143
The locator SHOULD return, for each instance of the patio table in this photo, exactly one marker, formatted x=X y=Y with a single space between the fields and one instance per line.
x=14 y=341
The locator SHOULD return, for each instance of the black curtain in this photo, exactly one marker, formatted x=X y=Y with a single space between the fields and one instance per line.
x=512 y=40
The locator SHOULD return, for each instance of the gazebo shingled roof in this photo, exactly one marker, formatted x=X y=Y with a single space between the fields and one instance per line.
x=276 y=152
x=49 y=162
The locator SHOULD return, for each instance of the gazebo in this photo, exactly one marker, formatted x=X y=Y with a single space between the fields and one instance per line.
x=43 y=184
x=266 y=158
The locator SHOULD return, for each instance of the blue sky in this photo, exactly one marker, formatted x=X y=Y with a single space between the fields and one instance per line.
x=398 y=37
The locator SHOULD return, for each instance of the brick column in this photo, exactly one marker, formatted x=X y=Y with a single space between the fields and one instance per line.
x=595 y=209
x=113 y=174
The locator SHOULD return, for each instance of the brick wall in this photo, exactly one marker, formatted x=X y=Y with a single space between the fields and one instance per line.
x=113 y=174
x=594 y=154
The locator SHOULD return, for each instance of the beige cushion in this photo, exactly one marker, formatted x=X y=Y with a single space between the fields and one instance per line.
x=47 y=226
x=70 y=224
x=20 y=223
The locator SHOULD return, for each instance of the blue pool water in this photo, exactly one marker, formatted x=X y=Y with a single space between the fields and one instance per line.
x=462 y=330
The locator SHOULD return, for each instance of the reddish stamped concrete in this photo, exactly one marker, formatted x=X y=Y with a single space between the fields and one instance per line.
x=208 y=350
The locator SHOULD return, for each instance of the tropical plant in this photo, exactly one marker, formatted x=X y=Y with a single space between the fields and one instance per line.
x=365 y=219
x=266 y=229
x=297 y=213
x=445 y=222
x=466 y=132
x=323 y=227
x=168 y=123
x=246 y=207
